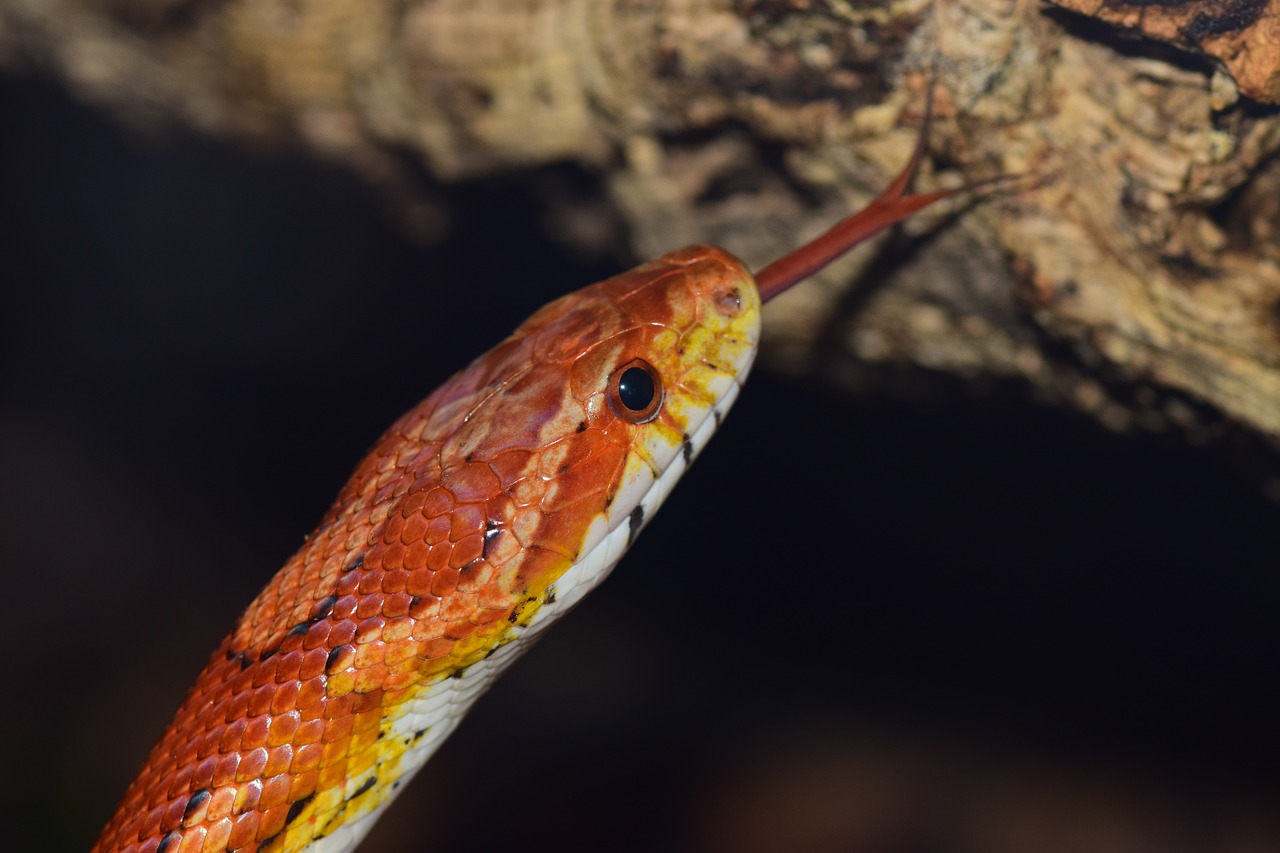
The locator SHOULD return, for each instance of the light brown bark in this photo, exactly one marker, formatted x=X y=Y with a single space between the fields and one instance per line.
x=1137 y=276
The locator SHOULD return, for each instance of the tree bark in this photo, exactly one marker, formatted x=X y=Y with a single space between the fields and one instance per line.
x=1135 y=273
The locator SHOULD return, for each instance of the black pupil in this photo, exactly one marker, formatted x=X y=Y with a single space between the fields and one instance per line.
x=635 y=388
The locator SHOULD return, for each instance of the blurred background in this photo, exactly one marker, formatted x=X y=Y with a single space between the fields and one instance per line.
x=944 y=620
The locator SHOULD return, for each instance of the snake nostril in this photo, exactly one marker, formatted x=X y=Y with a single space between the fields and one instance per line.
x=728 y=301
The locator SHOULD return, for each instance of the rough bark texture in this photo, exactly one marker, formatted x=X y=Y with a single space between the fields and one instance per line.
x=1137 y=277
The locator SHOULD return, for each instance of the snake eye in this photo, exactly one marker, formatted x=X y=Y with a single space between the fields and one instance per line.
x=635 y=392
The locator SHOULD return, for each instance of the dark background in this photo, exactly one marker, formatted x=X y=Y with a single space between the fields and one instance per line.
x=966 y=622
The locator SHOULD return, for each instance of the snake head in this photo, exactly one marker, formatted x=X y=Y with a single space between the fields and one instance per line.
x=581 y=421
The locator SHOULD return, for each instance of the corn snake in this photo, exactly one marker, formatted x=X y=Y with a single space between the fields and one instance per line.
x=477 y=519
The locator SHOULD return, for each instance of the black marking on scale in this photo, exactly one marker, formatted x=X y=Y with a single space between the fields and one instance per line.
x=198 y=799
x=364 y=786
x=634 y=522
x=334 y=654
x=169 y=841
x=686 y=449
x=324 y=609
x=295 y=810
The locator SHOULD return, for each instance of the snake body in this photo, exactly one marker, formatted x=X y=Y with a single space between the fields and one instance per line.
x=476 y=520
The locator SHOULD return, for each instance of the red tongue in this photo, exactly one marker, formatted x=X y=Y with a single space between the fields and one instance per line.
x=887 y=209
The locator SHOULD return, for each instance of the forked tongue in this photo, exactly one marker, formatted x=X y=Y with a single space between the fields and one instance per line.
x=887 y=209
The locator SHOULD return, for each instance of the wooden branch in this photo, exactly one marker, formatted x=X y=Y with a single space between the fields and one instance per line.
x=1138 y=277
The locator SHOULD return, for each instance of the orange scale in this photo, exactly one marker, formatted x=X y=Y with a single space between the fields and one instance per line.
x=260 y=701
x=181 y=783
x=272 y=822
x=243 y=832
x=401 y=659
x=309 y=732
x=444 y=583
x=340 y=684
x=218 y=836
x=418 y=583
x=483 y=616
x=397 y=605
x=283 y=729
x=525 y=525
x=303 y=784
x=366 y=708
x=291 y=662
x=203 y=776
x=278 y=760
x=471 y=482
x=411 y=529
x=367 y=655
x=313 y=664
x=370 y=679
x=474 y=575
x=344 y=607
x=438 y=559
x=334 y=759
x=173 y=813
x=311 y=693
x=413 y=504
x=332 y=566
x=232 y=738
x=438 y=529
x=220 y=803
x=416 y=556
x=317 y=637
x=393 y=556
x=256 y=732
x=467 y=550
x=397 y=630
x=369 y=630
x=396 y=696
x=437 y=648
x=395 y=526
x=495 y=597
x=461 y=629
x=562 y=531
x=285 y=700
x=238 y=706
x=369 y=580
x=251 y=764
x=338 y=713
x=247 y=797
x=438 y=501
x=225 y=772
x=467 y=520
x=343 y=632
x=498 y=549
x=369 y=605
x=264 y=673
x=510 y=467
x=192 y=841
x=276 y=790
x=306 y=758
x=151 y=822
x=428 y=629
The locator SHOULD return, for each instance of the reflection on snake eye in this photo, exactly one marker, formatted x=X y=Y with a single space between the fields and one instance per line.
x=635 y=392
